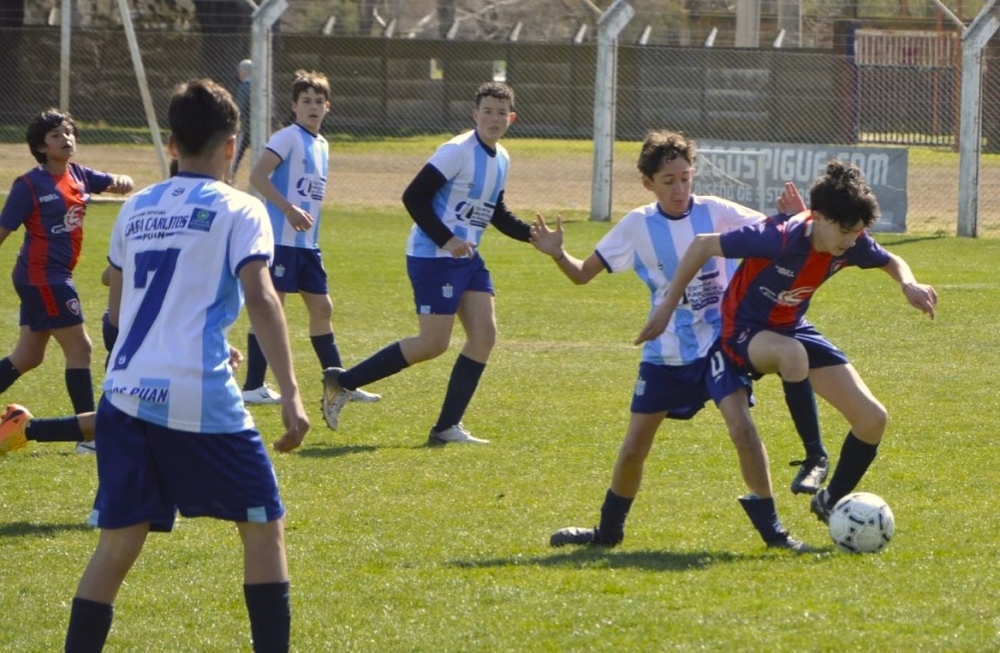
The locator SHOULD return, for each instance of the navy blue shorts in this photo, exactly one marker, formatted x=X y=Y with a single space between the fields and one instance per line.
x=683 y=390
x=49 y=307
x=438 y=283
x=148 y=473
x=297 y=269
x=821 y=352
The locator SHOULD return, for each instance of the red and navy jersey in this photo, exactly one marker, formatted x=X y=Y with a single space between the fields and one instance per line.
x=51 y=209
x=781 y=271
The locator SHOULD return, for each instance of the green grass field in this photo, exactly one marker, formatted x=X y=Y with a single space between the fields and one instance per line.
x=397 y=547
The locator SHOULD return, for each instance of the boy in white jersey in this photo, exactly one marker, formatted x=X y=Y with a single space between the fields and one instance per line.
x=452 y=200
x=172 y=431
x=684 y=368
x=291 y=175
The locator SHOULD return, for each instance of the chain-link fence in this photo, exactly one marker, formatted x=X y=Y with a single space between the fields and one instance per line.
x=391 y=88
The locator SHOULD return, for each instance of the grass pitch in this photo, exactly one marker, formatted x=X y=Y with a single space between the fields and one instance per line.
x=397 y=547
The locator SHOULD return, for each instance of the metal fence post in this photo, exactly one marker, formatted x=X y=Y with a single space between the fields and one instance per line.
x=609 y=25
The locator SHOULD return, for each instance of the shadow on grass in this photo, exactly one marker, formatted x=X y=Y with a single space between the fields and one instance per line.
x=19 y=529
x=915 y=239
x=603 y=559
x=336 y=451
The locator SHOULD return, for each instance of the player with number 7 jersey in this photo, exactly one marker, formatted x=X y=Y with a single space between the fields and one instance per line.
x=175 y=372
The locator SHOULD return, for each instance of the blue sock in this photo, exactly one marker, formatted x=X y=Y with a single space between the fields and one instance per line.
x=81 y=389
x=801 y=402
x=855 y=459
x=270 y=610
x=8 y=374
x=54 y=429
x=764 y=516
x=614 y=512
x=89 y=623
x=326 y=350
x=256 y=364
x=462 y=385
x=383 y=363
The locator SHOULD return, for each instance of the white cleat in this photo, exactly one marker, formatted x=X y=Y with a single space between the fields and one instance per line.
x=455 y=434
x=261 y=395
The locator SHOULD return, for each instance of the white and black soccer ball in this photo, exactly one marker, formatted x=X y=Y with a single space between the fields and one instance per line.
x=861 y=522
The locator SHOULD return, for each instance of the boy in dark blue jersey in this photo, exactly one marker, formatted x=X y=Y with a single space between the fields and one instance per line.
x=50 y=201
x=764 y=329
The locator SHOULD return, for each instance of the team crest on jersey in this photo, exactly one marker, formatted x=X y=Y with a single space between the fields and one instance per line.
x=792 y=297
x=836 y=265
x=201 y=220
x=72 y=221
x=73 y=306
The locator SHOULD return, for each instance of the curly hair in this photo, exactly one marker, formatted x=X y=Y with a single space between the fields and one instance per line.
x=662 y=147
x=843 y=196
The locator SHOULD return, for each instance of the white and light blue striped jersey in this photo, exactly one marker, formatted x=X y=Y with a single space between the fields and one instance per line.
x=301 y=178
x=475 y=177
x=651 y=243
x=179 y=245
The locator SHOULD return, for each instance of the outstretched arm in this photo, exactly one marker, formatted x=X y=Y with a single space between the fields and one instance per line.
x=920 y=295
x=702 y=248
x=121 y=184
x=550 y=241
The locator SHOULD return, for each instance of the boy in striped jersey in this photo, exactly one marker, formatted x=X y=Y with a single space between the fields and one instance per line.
x=764 y=326
x=291 y=175
x=172 y=431
x=452 y=200
x=683 y=368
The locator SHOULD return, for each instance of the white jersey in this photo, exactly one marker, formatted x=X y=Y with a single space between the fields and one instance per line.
x=301 y=179
x=179 y=245
x=651 y=243
x=475 y=176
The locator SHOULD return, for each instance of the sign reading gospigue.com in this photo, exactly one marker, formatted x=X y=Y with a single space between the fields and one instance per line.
x=754 y=174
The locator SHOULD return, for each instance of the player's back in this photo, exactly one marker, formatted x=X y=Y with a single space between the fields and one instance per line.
x=179 y=245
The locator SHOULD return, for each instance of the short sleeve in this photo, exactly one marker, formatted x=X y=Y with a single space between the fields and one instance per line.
x=617 y=248
x=251 y=237
x=19 y=205
x=281 y=144
x=447 y=159
x=763 y=239
x=97 y=181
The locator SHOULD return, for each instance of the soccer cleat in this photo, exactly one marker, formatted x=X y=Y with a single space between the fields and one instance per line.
x=363 y=397
x=455 y=434
x=12 y=426
x=86 y=447
x=580 y=537
x=261 y=395
x=812 y=473
x=334 y=397
x=786 y=541
x=820 y=506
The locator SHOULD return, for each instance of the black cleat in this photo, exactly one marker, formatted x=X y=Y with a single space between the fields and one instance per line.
x=812 y=473
x=580 y=537
x=820 y=506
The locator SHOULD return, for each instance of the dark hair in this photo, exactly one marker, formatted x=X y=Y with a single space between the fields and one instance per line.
x=663 y=147
x=202 y=115
x=843 y=196
x=306 y=79
x=41 y=125
x=496 y=90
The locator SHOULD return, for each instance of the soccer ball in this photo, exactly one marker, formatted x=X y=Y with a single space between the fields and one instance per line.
x=861 y=523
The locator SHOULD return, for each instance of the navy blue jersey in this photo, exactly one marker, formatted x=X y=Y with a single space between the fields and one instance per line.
x=781 y=271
